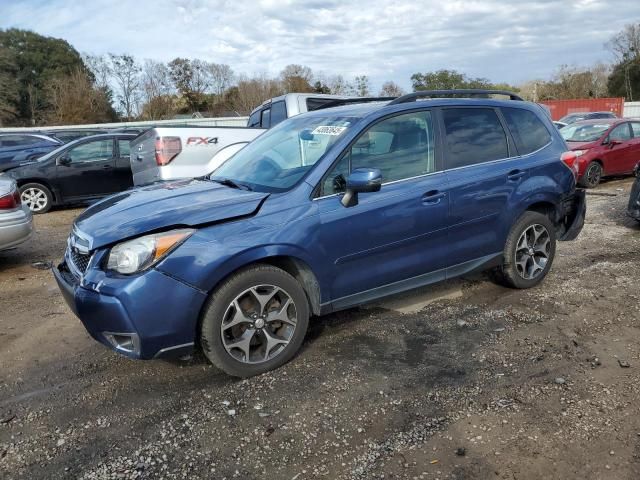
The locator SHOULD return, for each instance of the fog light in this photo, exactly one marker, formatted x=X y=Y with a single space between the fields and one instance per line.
x=124 y=342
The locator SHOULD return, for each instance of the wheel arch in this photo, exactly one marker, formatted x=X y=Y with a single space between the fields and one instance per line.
x=293 y=265
x=45 y=183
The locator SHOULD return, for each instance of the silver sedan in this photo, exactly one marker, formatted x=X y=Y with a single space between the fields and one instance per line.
x=16 y=224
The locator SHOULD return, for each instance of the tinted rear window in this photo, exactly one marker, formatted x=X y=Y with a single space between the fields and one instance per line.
x=528 y=131
x=278 y=113
x=474 y=135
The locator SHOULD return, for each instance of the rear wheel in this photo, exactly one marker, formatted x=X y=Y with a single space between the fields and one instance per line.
x=37 y=197
x=255 y=321
x=592 y=175
x=529 y=251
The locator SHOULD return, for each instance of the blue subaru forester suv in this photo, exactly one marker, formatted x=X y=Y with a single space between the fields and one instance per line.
x=327 y=210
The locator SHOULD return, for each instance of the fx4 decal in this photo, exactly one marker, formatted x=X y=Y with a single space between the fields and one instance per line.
x=202 y=140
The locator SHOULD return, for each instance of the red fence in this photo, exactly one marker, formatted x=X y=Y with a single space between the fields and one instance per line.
x=560 y=108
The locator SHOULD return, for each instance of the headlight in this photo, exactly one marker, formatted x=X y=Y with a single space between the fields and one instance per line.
x=141 y=253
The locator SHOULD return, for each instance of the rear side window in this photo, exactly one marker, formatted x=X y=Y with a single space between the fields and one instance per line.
x=528 y=131
x=254 y=119
x=124 y=147
x=473 y=135
x=278 y=113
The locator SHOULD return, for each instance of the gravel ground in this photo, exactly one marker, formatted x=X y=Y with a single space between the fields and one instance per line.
x=485 y=382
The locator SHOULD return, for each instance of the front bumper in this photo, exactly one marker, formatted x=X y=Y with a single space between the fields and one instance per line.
x=145 y=316
x=634 y=200
x=574 y=209
x=15 y=227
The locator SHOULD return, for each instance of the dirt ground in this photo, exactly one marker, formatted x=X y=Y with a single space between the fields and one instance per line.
x=462 y=381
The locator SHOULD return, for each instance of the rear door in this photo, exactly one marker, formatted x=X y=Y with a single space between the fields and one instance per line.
x=483 y=172
x=397 y=234
x=89 y=169
x=618 y=155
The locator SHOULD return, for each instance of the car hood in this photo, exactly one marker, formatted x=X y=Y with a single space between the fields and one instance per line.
x=185 y=203
x=581 y=145
x=10 y=165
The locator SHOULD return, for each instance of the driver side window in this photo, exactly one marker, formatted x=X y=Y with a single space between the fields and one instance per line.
x=400 y=147
x=92 y=151
x=621 y=133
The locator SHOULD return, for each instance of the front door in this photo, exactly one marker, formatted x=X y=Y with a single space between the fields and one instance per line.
x=397 y=234
x=87 y=170
x=618 y=155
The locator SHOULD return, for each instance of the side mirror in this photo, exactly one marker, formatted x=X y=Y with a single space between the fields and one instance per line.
x=612 y=142
x=361 y=180
x=64 y=160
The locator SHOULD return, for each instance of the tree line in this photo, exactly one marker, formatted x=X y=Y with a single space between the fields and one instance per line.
x=44 y=80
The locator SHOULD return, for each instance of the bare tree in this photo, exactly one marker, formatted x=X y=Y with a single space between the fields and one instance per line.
x=156 y=91
x=391 y=89
x=191 y=79
x=297 y=78
x=251 y=92
x=220 y=77
x=100 y=67
x=125 y=72
x=625 y=45
x=338 y=85
x=75 y=100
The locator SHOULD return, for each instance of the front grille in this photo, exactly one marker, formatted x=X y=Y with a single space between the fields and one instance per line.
x=80 y=260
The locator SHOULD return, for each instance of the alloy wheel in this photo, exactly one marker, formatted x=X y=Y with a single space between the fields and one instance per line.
x=34 y=198
x=259 y=324
x=594 y=173
x=532 y=251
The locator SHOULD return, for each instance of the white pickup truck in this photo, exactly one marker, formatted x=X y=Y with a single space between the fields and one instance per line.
x=167 y=153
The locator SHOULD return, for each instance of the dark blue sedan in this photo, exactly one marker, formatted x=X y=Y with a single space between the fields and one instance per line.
x=326 y=211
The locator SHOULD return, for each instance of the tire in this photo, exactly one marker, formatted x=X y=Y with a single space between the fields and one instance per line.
x=236 y=334
x=519 y=269
x=592 y=175
x=37 y=197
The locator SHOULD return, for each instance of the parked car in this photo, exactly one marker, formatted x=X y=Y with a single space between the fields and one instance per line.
x=16 y=224
x=24 y=147
x=634 y=198
x=579 y=116
x=604 y=147
x=78 y=172
x=326 y=211
x=69 y=135
x=169 y=153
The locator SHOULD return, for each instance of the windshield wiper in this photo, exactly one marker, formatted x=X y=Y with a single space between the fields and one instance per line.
x=231 y=183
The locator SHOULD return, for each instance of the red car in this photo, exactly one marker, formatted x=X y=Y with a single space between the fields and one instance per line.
x=603 y=147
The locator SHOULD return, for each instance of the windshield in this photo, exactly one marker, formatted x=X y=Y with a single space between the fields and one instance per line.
x=279 y=158
x=583 y=133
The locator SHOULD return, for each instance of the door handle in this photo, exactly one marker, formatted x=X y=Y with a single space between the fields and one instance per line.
x=106 y=167
x=433 y=197
x=139 y=158
x=516 y=175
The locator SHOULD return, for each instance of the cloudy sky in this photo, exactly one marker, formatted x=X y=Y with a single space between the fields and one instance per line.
x=510 y=41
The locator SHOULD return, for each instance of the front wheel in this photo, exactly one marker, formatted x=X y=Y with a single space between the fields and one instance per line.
x=528 y=252
x=37 y=197
x=255 y=321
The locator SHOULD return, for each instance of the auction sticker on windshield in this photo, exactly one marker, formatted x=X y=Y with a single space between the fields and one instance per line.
x=328 y=130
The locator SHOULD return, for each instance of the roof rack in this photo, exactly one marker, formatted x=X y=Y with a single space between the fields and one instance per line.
x=470 y=92
x=347 y=101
